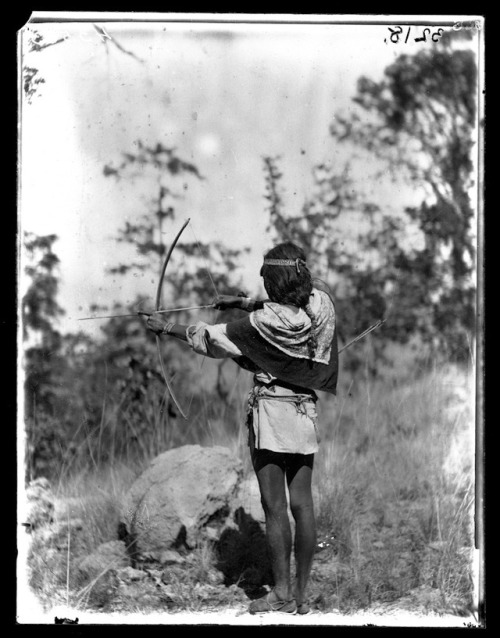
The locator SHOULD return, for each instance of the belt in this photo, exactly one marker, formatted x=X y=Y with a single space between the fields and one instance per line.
x=298 y=398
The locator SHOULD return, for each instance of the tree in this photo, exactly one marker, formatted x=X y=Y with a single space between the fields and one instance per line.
x=40 y=310
x=207 y=268
x=421 y=119
x=165 y=168
x=44 y=364
x=417 y=124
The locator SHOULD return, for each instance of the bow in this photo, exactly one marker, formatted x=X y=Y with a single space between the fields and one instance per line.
x=157 y=309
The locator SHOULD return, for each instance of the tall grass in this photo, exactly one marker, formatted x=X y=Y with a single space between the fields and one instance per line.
x=394 y=481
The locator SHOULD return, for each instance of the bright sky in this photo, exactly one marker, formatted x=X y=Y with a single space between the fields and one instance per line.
x=224 y=95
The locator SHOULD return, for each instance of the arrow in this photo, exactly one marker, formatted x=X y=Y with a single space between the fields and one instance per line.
x=363 y=334
x=147 y=314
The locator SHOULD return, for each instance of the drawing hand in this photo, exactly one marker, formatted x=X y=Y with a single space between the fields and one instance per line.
x=223 y=302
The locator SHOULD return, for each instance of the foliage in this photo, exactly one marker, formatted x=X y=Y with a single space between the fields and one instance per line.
x=197 y=281
x=31 y=82
x=206 y=268
x=146 y=234
x=43 y=363
x=61 y=396
x=395 y=518
x=77 y=389
x=418 y=120
x=31 y=75
x=36 y=43
x=418 y=124
x=39 y=305
x=426 y=103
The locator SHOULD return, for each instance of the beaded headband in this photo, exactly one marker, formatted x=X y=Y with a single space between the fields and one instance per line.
x=285 y=262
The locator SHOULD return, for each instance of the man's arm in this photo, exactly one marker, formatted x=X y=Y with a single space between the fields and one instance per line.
x=223 y=302
x=159 y=327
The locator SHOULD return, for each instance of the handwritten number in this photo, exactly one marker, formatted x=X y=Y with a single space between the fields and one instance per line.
x=395 y=34
x=434 y=38
x=426 y=33
x=424 y=37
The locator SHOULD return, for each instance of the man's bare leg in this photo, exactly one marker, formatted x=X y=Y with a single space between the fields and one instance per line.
x=299 y=477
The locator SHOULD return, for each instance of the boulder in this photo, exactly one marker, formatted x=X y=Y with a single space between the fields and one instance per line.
x=182 y=490
x=248 y=497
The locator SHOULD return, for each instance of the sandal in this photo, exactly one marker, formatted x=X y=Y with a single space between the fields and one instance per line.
x=264 y=604
x=303 y=609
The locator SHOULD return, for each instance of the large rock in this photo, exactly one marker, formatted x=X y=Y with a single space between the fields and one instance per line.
x=248 y=498
x=181 y=490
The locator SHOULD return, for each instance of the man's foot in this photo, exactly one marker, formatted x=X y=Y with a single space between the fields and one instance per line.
x=270 y=602
x=303 y=608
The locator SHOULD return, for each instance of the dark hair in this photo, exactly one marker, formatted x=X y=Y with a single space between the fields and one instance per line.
x=290 y=284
